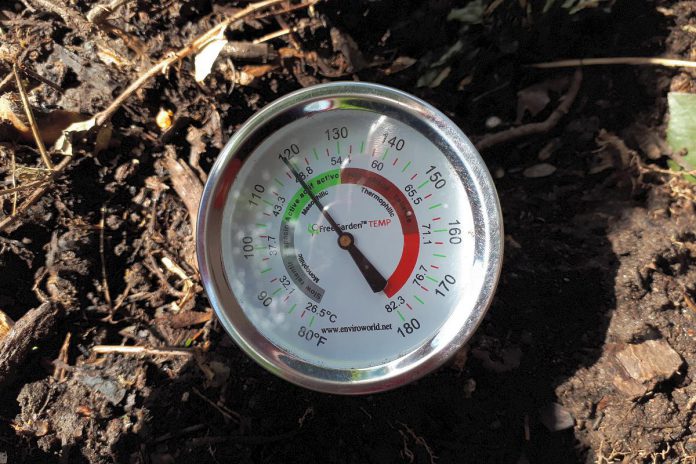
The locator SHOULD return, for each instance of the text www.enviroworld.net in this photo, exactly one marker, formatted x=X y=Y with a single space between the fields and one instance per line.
x=357 y=328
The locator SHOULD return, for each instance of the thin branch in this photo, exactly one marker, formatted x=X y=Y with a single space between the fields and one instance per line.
x=32 y=122
x=175 y=57
x=536 y=127
x=632 y=60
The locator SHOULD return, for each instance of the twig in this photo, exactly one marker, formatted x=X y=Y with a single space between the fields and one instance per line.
x=100 y=13
x=226 y=412
x=178 y=433
x=273 y=35
x=633 y=60
x=288 y=9
x=170 y=351
x=59 y=372
x=5 y=80
x=174 y=57
x=250 y=440
x=32 y=122
x=14 y=184
x=670 y=172
x=16 y=189
x=105 y=281
x=70 y=16
x=29 y=329
x=34 y=197
x=39 y=78
x=536 y=127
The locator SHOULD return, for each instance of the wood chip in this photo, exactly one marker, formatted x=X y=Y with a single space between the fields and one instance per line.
x=190 y=189
x=539 y=170
x=641 y=367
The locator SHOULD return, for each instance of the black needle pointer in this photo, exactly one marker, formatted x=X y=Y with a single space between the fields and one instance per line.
x=345 y=240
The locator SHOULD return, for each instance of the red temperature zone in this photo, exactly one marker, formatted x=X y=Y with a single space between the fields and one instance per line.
x=407 y=218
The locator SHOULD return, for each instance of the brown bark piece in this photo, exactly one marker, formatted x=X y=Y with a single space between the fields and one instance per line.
x=190 y=189
x=643 y=366
x=32 y=327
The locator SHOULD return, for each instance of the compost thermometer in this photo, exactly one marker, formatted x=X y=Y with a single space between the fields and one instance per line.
x=349 y=238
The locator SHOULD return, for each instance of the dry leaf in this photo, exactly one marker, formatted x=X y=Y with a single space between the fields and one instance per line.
x=535 y=98
x=399 y=64
x=204 y=60
x=6 y=324
x=164 y=118
x=11 y=112
x=51 y=124
x=64 y=144
x=250 y=73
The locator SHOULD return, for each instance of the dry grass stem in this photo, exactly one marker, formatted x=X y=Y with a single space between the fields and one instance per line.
x=14 y=184
x=105 y=280
x=15 y=189
x=119 y=349
x=273 y=35
x=631 y=60
x=32 y=122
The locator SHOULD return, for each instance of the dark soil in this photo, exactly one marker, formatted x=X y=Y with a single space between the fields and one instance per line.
x=599 y=254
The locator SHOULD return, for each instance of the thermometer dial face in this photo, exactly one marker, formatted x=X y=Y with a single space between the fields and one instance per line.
x=352 y=240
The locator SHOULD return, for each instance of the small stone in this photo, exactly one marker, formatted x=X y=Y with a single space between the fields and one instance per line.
x=493 y=122
x=555 y=417
x=499 y=173
x=642 y=366
x=469 y=388
x=111 y=389
x=539 y=170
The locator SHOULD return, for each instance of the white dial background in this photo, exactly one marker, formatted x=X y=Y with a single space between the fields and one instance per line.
x=350 y=326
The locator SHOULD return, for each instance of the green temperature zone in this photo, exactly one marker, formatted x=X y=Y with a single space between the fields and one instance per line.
x=317 y=184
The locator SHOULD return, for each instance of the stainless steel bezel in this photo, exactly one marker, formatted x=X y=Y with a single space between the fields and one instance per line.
x=473 y=174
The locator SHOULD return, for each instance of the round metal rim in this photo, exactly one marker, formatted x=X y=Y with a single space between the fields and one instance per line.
x=485 y=208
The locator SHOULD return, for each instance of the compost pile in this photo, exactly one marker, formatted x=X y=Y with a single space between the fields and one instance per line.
x=112 y=114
